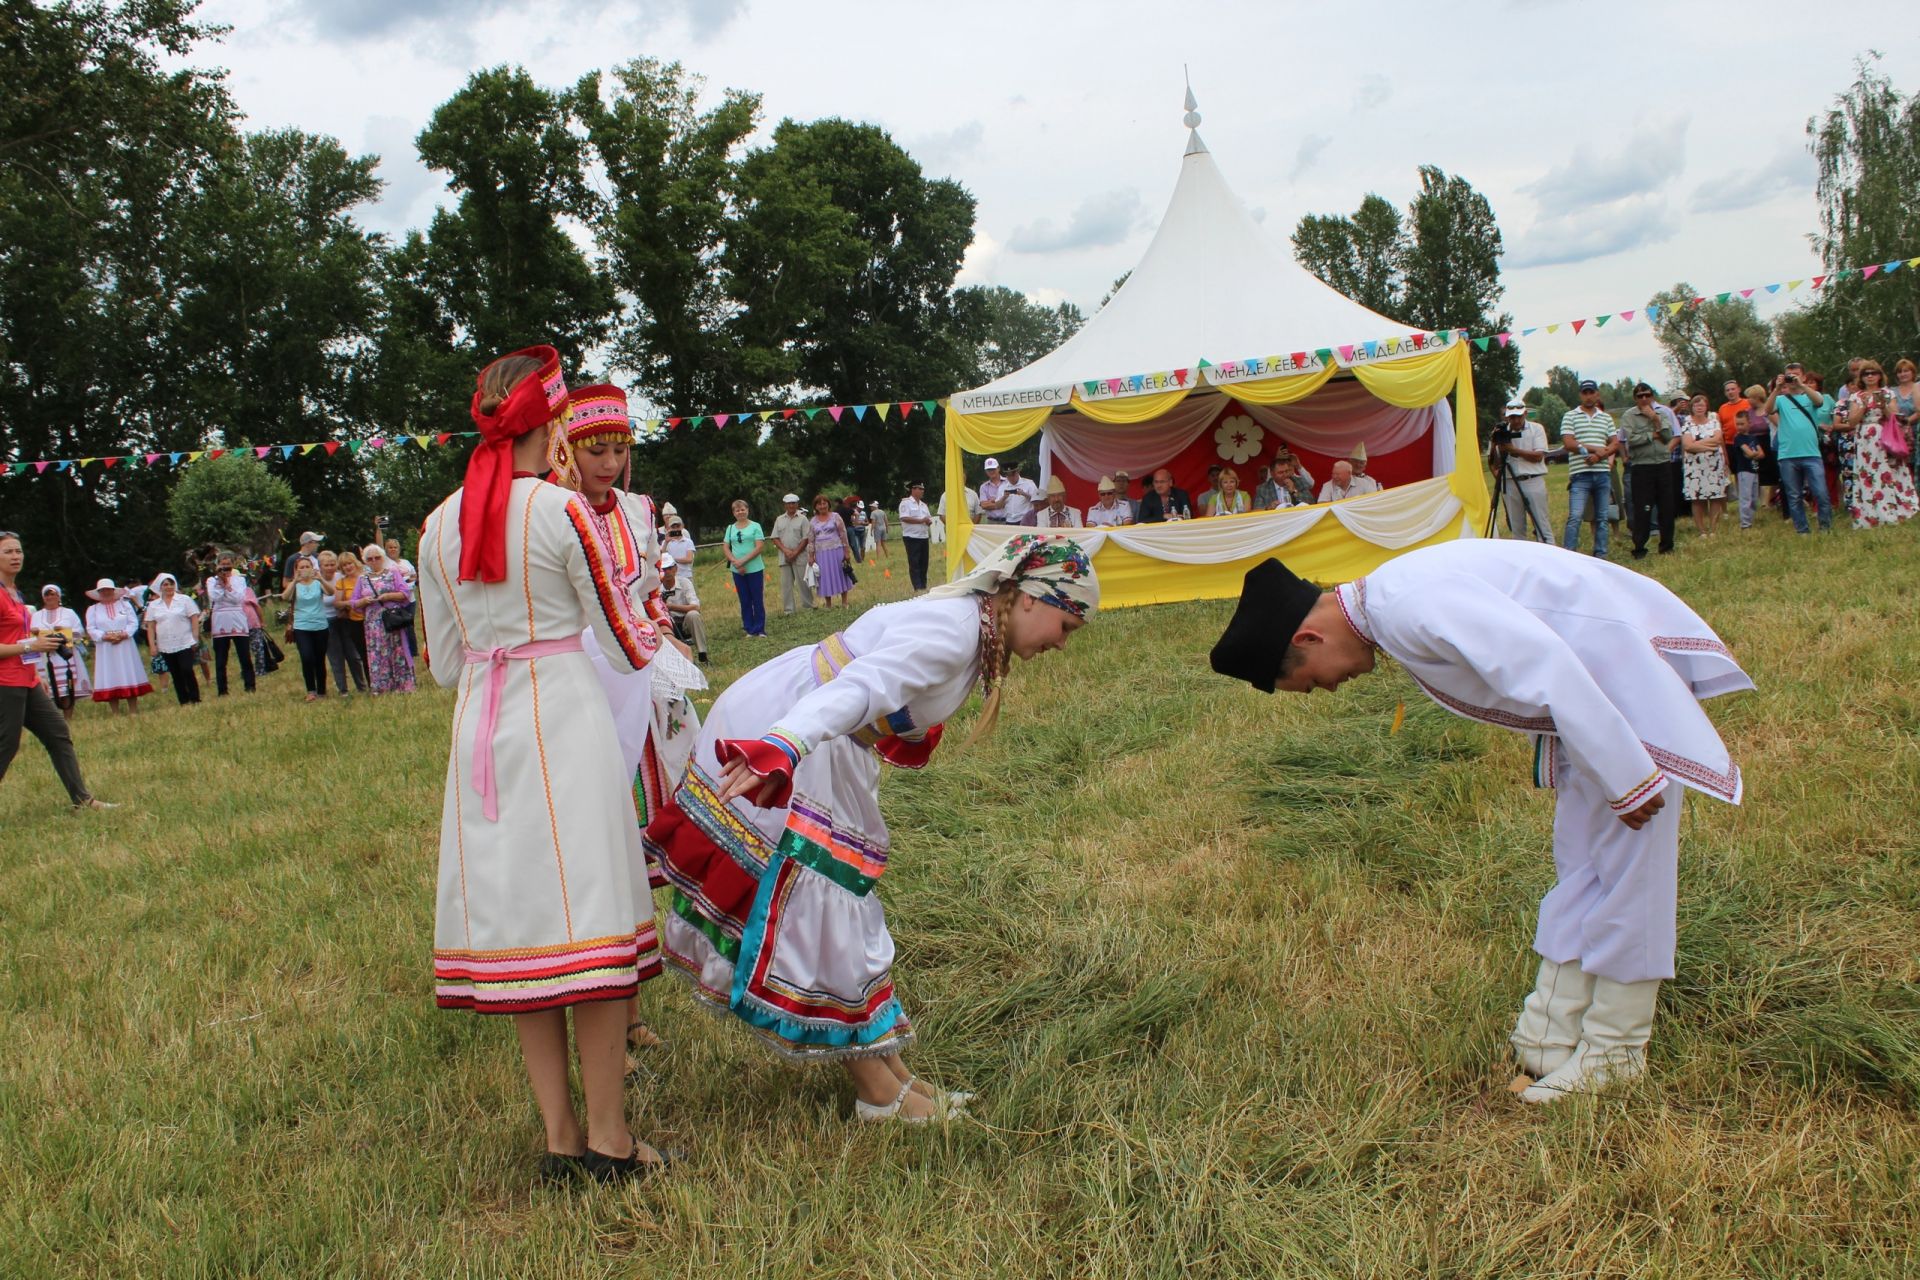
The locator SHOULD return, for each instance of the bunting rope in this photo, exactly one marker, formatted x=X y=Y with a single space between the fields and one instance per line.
x=1222 y=374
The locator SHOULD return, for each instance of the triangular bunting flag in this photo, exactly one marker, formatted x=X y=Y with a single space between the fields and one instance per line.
x=1346 y=354
x=1795 y=284
x=1419 y=341
x=40 y=468
x=174 y=458
x=834 y=411
x=195 y=455
x=423 y=441
x=1553 y=328
x=1695 y=303
x=442 y=437
x=906 y=410
x=1722 y=297
x=108 y=463
x=1300 y=359
x=286 y=450
x=1482 y=343
x=1372 y=349
x=1773 y=288
x=306 y=449
x=1890 y=267
x=153 y=458
x=767 y=415
x=1746 y=293
x=1204 y=364
x=1866 y=273
x=261 y=450
x=1600 y=322
x=880 y=410
x=788 y=413
x=1627 y=316
x=216 y=453
x=1534 y=329
x=672 y=423
x=932 y=406
x=859 y=412
x=87 y=462
x=698 y=422
x=1324 y=354
x=1818 y=281
x=1913 y=262
x=1093 y=388
x=63 y=464
x=720 y=420
x=331 y=446
x=1505 y=338
x=355 y=446
x=812 y=414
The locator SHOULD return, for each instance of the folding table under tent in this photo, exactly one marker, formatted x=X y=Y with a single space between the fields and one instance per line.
x=1211 y=285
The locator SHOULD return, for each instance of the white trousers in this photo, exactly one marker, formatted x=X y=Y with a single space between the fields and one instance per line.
x=1614 y=905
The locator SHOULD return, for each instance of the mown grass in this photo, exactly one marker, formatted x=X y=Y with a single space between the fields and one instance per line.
x=1231 y=974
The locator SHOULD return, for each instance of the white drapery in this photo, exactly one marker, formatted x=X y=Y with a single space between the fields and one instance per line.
x=1392 y=518
x=1329 y=422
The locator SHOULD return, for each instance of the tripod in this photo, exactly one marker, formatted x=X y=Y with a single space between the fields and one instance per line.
x=1499 y=489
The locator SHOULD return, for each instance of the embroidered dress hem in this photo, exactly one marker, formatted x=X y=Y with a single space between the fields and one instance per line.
x=531 y=979
x=140 y=690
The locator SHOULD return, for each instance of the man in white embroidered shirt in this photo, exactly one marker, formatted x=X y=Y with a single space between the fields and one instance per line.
x=1606 y=669
x=1057 y=514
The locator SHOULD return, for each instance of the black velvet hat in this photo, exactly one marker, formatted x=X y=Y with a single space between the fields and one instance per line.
x=1273 y=604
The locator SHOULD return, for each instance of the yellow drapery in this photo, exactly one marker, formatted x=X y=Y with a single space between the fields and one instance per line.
x=1410 y=383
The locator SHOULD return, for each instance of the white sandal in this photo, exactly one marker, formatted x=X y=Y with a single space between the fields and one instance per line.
x=953 y=1100
x=867 y=1113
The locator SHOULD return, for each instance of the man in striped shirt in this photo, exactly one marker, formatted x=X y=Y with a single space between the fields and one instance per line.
x=1591 y=440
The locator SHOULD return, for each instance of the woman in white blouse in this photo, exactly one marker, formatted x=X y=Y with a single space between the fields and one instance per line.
x=64 y=672
x=119 y=677
x=173 y=631
x=227 y=597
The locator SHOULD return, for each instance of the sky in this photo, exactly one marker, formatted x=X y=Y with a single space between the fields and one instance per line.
x=1623 y=147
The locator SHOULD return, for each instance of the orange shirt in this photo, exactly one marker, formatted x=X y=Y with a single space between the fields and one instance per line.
x=343 y=588
x=1727 y=411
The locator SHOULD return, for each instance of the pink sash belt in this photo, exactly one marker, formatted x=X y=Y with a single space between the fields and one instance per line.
x=497 y=660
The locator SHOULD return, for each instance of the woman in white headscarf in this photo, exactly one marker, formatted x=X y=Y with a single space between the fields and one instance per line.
x=119 y=677
x=63 y=671
x=775 y=855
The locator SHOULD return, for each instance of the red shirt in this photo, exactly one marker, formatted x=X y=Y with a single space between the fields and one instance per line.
x=15 y=627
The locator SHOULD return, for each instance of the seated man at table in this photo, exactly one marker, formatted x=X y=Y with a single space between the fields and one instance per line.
x=1057 y=514
x=1362 y=482
x=1164 y=501
x=1296 y=483
x=1342 y=485
x=1112 y=510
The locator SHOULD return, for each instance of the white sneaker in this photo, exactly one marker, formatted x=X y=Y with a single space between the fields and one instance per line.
x=1613 y=1042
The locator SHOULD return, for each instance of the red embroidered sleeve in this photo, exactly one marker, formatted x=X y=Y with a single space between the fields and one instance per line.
x=770 y=757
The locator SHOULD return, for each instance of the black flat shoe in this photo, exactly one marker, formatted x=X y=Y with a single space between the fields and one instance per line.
x=557 y=1169
x=604 y=1168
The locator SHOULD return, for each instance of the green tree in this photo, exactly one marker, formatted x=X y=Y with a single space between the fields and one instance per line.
x=1009 y=332
x=670 y=172
x=1547 y=409
x=1436 y=269
x=1867 y=148
x=1720 y=339
x=501 y=264
x=841 y=263
x=101 y=151
x=230 y=501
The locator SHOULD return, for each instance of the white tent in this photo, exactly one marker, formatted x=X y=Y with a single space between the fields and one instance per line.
x=1219 y=329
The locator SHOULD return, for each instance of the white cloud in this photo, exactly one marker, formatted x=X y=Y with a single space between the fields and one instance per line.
x=1594 y=232
x=1371 y=91
x=1100 y=220
x=941 y=154
x=1309 y=153
x=1791 y=172
x=1651 y=157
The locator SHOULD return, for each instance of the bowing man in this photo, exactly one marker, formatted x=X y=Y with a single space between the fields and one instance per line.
x=1606 y=670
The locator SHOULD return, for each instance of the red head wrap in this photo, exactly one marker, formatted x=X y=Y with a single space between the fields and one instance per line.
x=534 y=401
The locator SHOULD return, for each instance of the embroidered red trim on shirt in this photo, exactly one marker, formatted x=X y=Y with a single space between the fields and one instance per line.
x=1639 y=793
x=1355 y=616
x=1506 y=719
x=1693 y=644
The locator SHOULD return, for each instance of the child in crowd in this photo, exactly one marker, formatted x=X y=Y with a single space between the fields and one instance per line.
x=1749 y=450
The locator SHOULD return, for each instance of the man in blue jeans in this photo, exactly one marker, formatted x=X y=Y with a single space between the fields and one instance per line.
x=1795 y=410
x=1592 y=440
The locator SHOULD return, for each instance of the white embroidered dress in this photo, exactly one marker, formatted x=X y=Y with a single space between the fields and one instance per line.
x=1607 y=669
x=547 y=904
x=774 y=915
x=117 y=669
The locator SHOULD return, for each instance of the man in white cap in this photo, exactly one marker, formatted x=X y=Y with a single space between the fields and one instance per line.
x=1362 y=482
x=1109 y=512
x=793 y=534
x=1525 y=451
x=916 y=533
x=1606 y=671
x=1058 y=515
x=309 y=551
x=675 y=542
x=993 y=495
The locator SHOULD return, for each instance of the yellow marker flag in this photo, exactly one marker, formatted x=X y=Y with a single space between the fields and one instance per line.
x=1399 y=718
x=423 y=441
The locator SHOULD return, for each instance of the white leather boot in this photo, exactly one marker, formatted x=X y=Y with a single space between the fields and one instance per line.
x=1613 y=1042
x=1549 y=1025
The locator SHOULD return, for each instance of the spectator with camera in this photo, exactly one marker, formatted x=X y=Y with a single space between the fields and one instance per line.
x=64 y=670
x=1796 y=410
x=677 y=594
x=1649 y=435
x=1519 y=452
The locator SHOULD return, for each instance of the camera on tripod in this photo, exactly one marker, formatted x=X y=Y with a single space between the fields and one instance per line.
x=1503 y=434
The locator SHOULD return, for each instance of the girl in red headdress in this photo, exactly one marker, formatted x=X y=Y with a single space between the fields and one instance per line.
x=542 y=904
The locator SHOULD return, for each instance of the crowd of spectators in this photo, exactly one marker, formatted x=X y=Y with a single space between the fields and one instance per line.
x=1787 y=446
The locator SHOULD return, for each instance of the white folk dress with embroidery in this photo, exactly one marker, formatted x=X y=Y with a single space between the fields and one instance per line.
x=1607 y=669
x=547 y=905
x=814 y=978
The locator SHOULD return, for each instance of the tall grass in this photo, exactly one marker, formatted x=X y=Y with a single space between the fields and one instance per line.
x=1231 y=974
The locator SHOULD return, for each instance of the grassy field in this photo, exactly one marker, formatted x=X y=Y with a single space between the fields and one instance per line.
x=1231 y=974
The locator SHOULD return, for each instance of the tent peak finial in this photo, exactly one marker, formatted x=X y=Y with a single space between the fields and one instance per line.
x=1192 y=121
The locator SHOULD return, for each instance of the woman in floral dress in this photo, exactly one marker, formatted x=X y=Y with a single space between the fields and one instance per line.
x=1705 y=475
x=828 y=552
x=1883 y=490
x=389 y=665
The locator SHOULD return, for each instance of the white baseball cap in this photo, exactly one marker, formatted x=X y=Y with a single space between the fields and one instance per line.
x=667 y=562
x=1516 y=405
x=791 y=497
x=992 y=464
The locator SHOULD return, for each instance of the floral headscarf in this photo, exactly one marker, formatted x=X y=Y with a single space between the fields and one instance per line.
x=1047 y=566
